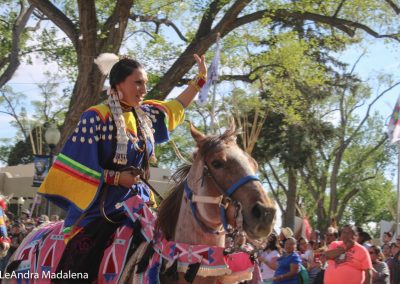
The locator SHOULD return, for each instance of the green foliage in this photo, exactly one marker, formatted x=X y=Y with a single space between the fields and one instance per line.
x=290 y=73
x=5 y=149
x=21 y=153
x=373 y=203
x=57 y=49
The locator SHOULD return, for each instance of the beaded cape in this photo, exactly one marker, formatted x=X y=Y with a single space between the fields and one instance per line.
x=76 y=177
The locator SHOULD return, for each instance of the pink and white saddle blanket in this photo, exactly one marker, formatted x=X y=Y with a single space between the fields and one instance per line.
x=41 y=251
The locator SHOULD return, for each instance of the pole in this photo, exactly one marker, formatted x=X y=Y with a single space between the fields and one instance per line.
x=52 y=146
x=212 y=114
x=214 y=82
x=398 y=190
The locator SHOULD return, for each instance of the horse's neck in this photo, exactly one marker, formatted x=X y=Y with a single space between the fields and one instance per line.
x=189 y=232
x=187 y=229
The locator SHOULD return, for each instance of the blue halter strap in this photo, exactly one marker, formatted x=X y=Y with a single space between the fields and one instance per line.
x=239 y=183
x=222 y=207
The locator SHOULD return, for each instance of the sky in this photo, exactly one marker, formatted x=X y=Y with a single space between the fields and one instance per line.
x=379 y=58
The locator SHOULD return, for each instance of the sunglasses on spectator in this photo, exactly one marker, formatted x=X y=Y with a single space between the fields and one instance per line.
x=371 y=252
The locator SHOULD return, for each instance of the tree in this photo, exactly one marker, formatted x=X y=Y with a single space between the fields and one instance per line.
x=30 y=134
x=82 y=31
x=13 y=20
x=374 y=203
x=353 y=162
x=335 y=18
x=21 y=153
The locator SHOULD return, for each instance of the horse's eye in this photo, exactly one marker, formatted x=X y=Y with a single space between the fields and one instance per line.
x=217 y=164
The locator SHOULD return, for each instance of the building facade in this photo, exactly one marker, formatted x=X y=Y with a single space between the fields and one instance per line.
x=17 y=183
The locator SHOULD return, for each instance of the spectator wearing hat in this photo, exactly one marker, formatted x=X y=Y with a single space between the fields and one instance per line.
x=331 y=235
x=286 y=233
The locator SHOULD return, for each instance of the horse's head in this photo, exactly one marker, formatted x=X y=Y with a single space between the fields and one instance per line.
x=222 y=168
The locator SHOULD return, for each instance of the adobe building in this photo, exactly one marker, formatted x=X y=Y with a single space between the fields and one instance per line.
x=18 y=182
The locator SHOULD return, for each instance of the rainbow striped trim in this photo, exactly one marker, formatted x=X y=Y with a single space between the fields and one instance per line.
x=77 y=170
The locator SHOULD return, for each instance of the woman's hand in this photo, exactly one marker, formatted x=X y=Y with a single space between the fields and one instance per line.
x=201 y=63
x=5 y=246
x=186 y=97
x=128 y=178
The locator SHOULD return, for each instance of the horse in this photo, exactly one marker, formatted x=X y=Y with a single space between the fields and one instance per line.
x=217 y=192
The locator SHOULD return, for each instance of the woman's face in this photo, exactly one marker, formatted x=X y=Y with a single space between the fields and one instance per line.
x=386 y=238
x=290 y=245
x=386 y=250
x=373 y=255
x=394 y=250
x=134 y=88
x=302 y=245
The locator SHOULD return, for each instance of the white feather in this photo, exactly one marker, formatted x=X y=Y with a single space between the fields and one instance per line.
x=106 y=61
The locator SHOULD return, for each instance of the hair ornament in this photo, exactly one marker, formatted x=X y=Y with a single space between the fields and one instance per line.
x=106 y=61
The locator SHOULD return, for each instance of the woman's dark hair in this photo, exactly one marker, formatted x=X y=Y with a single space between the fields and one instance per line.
x=389 y=234
x=123 y=69
x=298 y=242
x=352 y=227
x=273 y=243
x=377 y=252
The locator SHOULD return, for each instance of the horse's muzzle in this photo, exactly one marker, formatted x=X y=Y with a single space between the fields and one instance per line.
x=263 y=220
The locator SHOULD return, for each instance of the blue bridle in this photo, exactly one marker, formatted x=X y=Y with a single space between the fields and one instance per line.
x=222 y=207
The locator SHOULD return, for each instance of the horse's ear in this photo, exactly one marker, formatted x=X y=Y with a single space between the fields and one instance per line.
x=231 y=131
x=196 y=134
x=232 y=124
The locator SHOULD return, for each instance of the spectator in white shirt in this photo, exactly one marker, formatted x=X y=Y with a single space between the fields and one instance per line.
x=268 y=259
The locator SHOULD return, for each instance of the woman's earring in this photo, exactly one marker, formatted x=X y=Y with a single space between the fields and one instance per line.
x=120 y=95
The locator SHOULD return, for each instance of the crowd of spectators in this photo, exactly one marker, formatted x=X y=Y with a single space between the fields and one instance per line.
x=346 y=256
x=337 y=256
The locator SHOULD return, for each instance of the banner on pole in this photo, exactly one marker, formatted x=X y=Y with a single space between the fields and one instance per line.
x=212 y=74
x=394 y=123
x=41 y=168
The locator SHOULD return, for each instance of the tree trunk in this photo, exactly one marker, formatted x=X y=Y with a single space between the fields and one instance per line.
x=290 y=214
x=333 y=203
x=321 y=216
x=88 y=85
x=88 y=46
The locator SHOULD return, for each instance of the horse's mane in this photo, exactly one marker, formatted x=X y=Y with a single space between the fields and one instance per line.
x=168 y=211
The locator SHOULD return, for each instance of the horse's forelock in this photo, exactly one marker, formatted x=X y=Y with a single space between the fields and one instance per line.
x=213 y=142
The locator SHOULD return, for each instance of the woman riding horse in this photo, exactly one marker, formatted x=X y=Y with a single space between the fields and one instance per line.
x=186 y=243
x=103 y=160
